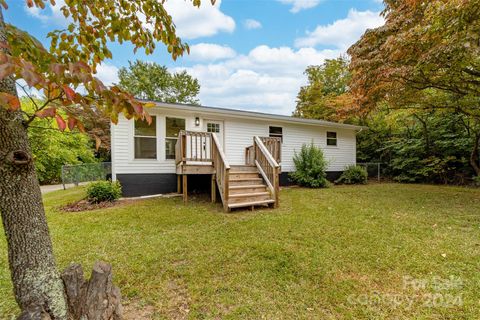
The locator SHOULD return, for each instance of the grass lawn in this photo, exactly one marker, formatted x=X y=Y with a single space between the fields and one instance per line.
x=338 y=253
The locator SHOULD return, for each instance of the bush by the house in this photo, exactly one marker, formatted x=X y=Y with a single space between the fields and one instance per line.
x=353 y=175
x=310 y=167
x=101 y=191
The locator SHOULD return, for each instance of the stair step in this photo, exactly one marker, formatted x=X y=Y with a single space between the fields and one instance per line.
x=249 y=197
x=247 y=186
x=243 y=168
x=254 y=188
x=250 y=203
x=245 y=181
x=243 y=174
x=251 y=194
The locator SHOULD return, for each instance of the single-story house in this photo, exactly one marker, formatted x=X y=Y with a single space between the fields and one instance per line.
x=247 y=155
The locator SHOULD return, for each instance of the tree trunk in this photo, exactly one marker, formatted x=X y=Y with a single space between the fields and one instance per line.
x=474 y=160
x=36 y=282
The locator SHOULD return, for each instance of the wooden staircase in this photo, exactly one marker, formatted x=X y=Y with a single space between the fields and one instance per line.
x=247 y=188
x=254 y=184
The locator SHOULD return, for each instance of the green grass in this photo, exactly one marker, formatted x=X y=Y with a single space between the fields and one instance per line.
x=319 y=256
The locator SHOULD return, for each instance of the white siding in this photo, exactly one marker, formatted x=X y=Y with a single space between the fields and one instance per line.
x=238 y=134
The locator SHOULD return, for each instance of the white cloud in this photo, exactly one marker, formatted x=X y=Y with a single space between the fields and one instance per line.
x=266 y=79
x=251 y=24
x=49 y=15
x=107 y=73
x=210 y=52
x=342 y=33
x=298 y=5
x=193 y=22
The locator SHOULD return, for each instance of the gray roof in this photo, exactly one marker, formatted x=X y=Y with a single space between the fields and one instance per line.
x=253 y=114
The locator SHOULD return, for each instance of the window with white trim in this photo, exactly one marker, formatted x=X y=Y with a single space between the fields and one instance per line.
x=145 y=137
x=275 y=132
x=331 y=138
x=172 y=130
x=213 y=127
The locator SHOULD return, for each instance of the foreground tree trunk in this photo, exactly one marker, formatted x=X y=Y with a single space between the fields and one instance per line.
x=36 y=282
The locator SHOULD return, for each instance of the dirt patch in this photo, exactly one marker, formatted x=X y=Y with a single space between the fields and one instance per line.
x=179 y=301
x=136 y=311
x=84 y=205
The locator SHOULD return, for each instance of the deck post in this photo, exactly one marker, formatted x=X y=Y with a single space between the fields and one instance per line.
x=185 y=188
x=179 y=183
x=214 y=190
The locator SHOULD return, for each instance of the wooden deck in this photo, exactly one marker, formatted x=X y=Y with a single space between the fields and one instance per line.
x=256 y=183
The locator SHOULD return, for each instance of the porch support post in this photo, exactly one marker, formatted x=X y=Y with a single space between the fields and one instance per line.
x=185 y=189
x=214 y=190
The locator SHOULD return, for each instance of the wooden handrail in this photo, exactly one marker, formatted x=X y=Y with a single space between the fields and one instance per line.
x=222 y=170
x=249 y=155
x=220 y=150
x=193 y=146
x=268 y=167
x=274 y=146
x=179 y=149
x=265 y=151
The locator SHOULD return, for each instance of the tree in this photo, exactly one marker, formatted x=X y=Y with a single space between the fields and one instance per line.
x=326 y=92
x=151 y=81
x=426 y=57
x=51 y=148
x=69 y=64
x=418 y=145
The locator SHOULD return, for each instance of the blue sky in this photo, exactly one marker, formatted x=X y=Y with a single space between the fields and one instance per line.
x=247 y=54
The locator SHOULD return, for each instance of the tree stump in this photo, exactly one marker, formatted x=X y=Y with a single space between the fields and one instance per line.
x=93 y=299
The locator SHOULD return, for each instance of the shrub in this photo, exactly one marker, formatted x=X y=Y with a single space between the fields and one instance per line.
x=101 y=191
x=353 y=175
x=310 y=167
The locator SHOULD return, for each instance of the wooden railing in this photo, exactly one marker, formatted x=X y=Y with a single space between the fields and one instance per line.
x=268 y=167
x=193 y=146
x=274 y=146
x=222 y=170
x=250 y=155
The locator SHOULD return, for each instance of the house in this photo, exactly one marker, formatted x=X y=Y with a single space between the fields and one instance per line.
x=245 y=155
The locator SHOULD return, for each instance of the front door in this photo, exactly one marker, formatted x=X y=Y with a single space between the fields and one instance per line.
x=217 y=128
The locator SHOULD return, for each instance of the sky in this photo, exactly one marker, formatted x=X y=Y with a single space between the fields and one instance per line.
x=246 y=54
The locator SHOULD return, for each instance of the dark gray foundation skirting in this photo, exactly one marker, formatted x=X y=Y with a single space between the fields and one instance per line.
x=135 y=185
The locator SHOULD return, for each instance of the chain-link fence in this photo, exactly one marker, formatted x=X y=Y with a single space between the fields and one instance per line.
x=374 y=169
x=75 y=174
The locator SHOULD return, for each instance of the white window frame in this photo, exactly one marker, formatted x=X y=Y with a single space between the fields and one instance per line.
x=335 y=139
x=147 y=137
x=275 y=135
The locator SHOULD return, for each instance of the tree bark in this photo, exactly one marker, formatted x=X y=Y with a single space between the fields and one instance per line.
x=474 y=160
x=95 y=299
x=37 y=285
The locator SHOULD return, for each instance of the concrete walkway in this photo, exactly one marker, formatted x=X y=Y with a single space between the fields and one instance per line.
x=55 y=187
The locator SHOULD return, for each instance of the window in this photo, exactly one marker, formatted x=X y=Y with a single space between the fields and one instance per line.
x=145 y=137
x=275 y=132
x=213 y=127
x=172 y=127
x=331 y=138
